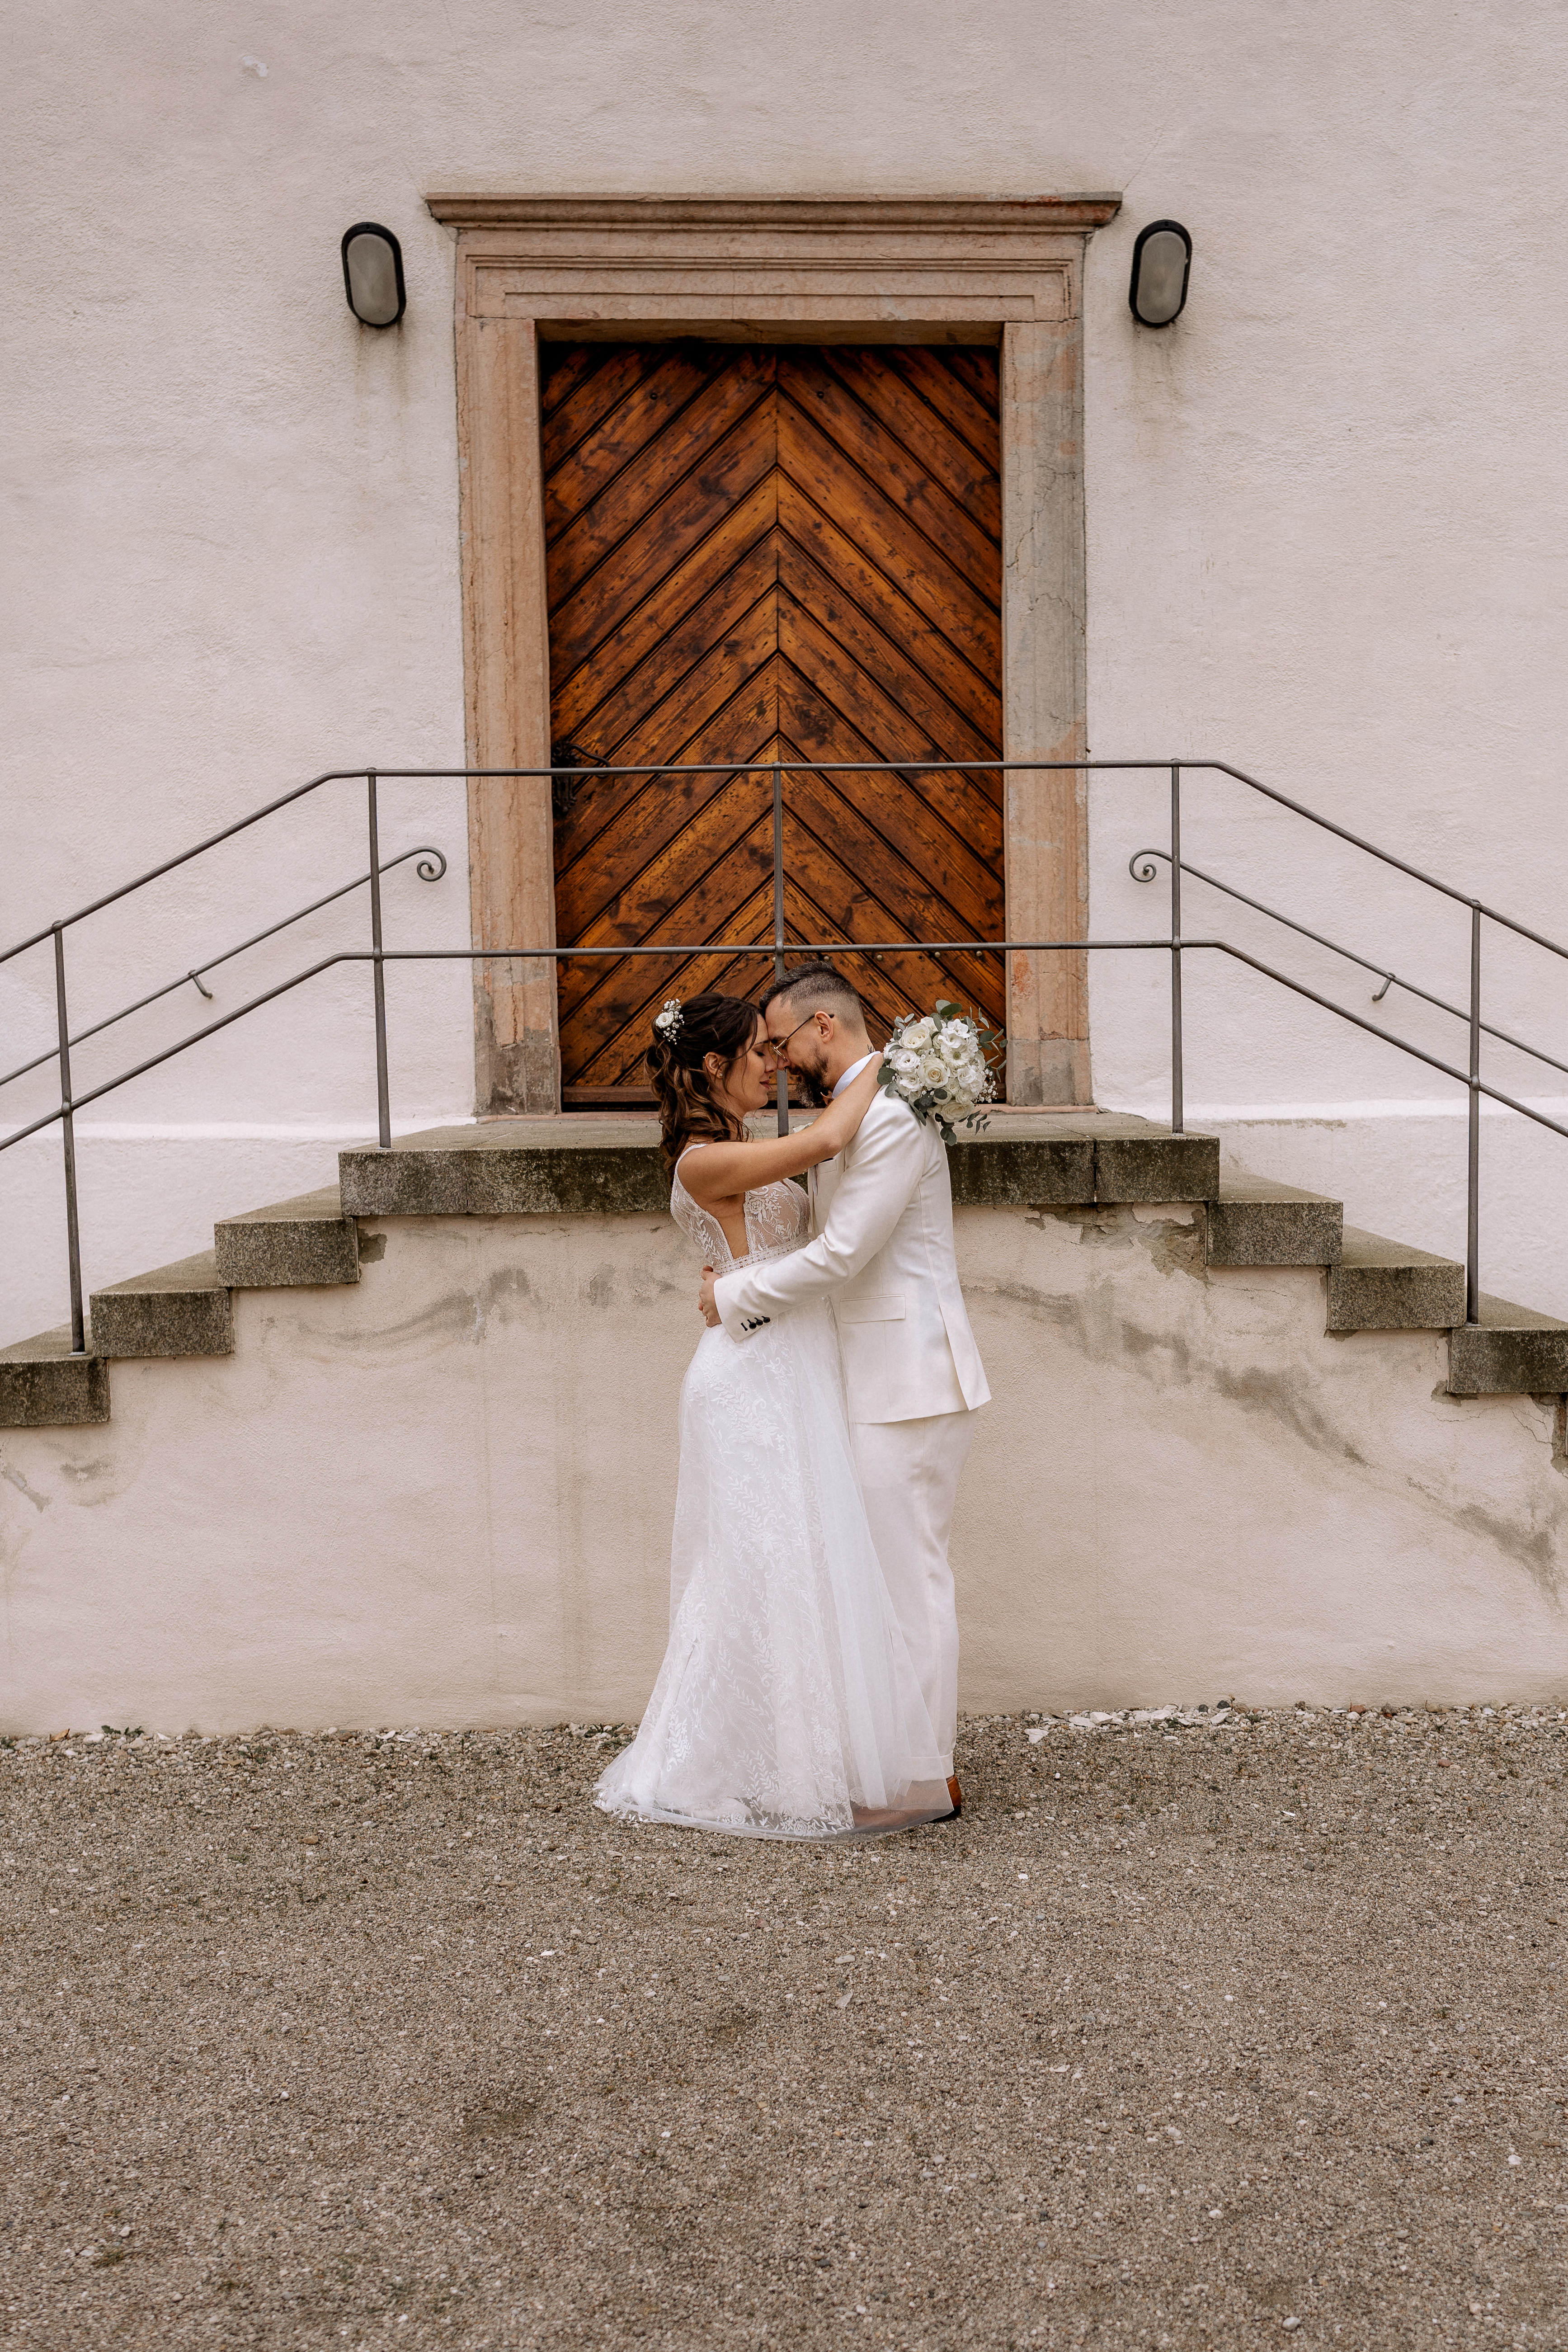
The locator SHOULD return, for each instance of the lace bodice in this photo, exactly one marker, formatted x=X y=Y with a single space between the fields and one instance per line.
x=778 y=1219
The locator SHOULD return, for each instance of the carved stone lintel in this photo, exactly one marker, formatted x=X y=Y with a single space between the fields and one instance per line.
x=932 y=219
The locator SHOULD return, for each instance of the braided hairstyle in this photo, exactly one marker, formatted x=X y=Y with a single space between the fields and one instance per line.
x=689 y=1109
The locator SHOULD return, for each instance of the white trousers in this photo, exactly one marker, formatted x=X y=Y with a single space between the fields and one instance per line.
x=909 y=1473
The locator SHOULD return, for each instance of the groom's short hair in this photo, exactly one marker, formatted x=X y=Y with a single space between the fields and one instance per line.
x=816 y=987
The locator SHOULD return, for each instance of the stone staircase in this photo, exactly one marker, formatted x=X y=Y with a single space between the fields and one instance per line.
x=580 y=1165
x=404 y=1450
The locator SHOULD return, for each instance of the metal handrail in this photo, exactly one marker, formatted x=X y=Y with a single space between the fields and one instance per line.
x=1389 y=979
x=378 y=954
x=749 y=948
x=426 y=873
x=799 y=767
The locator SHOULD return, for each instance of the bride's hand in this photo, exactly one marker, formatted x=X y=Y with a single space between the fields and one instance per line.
x=706 y=1305
x=720 y=1173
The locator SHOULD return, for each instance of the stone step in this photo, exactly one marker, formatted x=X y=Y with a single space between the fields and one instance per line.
x=1511 y=1351
x=178 y=1310
x=293 y=1244
x=1381 y=1286
x=1256 y=1222
x=44 y=1386
x=1135 y=1160
x=1028 y=1159
x=588 y=1164
x=582 y=1163
x=1020 y=1160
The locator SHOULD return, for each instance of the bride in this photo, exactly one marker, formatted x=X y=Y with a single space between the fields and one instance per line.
x=787 y=1705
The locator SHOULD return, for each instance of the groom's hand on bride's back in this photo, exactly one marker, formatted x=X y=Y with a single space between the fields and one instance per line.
x=707 y=1305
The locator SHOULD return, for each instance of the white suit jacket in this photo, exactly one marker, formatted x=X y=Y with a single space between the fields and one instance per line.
x=883 y=1255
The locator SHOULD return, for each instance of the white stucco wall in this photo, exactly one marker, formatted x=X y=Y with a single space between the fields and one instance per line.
x=444 y=1495
x=1326 y=514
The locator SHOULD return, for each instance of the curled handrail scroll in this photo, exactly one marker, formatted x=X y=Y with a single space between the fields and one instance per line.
x=426 y=871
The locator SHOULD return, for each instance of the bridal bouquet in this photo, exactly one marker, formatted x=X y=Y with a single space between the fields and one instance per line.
x=940 y=1065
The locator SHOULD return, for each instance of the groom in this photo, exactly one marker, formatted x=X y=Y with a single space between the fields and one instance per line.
x=883 y=1218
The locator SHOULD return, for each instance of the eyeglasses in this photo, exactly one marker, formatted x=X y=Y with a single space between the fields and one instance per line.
x=781 y=1044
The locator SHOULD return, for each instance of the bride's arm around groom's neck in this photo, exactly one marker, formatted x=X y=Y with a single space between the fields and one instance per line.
x=882 y=1168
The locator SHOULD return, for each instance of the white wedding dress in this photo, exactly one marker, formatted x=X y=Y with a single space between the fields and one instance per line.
x=787 y=1705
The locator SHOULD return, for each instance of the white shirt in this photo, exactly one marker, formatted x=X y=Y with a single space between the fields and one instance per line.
x=852 y=1073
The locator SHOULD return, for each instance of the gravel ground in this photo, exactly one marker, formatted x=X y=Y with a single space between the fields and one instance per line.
x=1201 y=2031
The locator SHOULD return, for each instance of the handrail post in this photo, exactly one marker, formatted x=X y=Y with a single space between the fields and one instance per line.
x=1176 y=1103
x=782 y=1080
x=68 y=1137
x=383 y=1091
x=1473 y=1183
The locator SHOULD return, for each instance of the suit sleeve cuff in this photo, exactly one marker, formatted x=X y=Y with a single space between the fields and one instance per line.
x=727 y=1298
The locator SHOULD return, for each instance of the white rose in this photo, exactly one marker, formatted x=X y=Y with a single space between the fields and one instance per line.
x=933 y=1069
x=905 y=1064
x=918 y=1033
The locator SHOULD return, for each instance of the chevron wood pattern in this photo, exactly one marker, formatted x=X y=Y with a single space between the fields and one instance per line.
x=758 y=554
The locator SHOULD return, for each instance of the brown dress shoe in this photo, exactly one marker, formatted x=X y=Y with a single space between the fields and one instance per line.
x=956 y=1793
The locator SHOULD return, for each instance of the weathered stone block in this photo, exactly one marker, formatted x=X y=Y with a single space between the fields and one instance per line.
x=1511 y=1351
x=299 y=1241
x=44 y=1386
x=1256 y=1222
x=1381 y=1286
x=179 y=1310
x=1134 y=1160
x=580 y=1164
x=572 y=1166
x=1006 y=1170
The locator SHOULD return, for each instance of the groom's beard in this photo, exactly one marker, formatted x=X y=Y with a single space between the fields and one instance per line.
x=812 y=1084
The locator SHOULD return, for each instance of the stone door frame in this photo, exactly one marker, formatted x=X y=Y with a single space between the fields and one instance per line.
x=769 y=270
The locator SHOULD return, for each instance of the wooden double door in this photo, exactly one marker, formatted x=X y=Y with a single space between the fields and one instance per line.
x=759 y=554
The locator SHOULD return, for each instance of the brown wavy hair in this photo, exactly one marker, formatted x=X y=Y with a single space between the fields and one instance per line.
x=689 y=1111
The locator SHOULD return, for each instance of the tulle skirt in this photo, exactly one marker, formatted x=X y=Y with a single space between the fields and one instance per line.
x=787 y=1705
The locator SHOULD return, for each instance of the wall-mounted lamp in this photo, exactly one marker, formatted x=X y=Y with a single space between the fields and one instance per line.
x=1161 y=259
x=372 y=275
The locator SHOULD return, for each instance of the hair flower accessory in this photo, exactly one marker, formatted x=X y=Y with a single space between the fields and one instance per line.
x=667 y=1021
